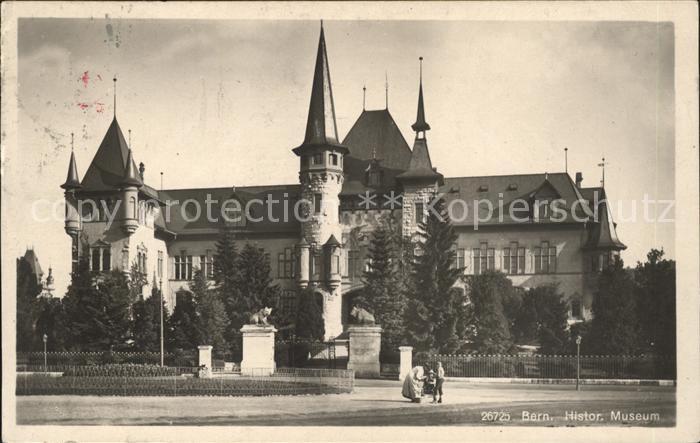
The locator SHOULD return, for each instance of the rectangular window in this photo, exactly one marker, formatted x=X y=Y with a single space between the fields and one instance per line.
x=318 y=202
x=514 y=259
x=106 y=259
x=460 y=259
x=420 y=213
x=96 y=253
x=353 y=264
x=334 y=159
x=160 y=264
x=287 y=301
x=183 y=267
x=203 y=265
x=316 y=265
x=285 y=263
x=576 y=309
x=545 y=259
x=318 y=159
x=484 y=259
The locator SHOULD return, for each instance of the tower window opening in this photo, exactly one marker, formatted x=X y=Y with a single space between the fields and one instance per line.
x=334 y=159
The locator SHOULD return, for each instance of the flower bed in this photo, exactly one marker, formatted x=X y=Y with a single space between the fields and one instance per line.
x=121 y=370
x=37 y=384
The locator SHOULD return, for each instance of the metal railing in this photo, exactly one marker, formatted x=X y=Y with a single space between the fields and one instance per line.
x=555 y=366
x=68 y=358
x=184 y=382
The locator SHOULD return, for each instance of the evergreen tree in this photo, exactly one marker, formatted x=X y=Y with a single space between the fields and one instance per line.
x=51 y=320
x=552 y=315
x=182 y=327
x=614 y=328
x=98 y=310
x=255 y=288
x=146 y=327
x=309 y=317
x=211 y=314
x=226 y=280
x=383 y=295
x=433 y=301
x=486 y=293
x=656 y=310
x=27 y=290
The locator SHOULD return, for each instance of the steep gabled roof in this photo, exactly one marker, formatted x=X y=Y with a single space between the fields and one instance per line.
x=108 y=166
x=501 y=191
x=31 y=258
x=375 y=134
x=184 y=221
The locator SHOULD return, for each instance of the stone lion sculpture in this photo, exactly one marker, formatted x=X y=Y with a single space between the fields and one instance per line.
x=260 y=317
x=361 y=316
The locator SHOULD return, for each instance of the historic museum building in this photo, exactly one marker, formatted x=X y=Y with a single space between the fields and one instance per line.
x=326 y=248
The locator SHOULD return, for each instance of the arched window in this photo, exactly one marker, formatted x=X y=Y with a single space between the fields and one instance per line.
x=96 y=253
x=106 y=259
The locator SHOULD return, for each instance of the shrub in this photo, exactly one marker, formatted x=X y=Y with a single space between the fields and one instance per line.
x=121 y=370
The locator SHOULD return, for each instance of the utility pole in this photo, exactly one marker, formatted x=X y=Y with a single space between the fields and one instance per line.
x=578 y=362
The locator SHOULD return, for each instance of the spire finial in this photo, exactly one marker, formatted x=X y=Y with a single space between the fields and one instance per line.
x=115 y=95
x=420 y=126
x=161 y=180
x=364 y=96
x=71 y=142
x=129 y=138
x=566 y=160
x=602 y=166
x=321 y=24
x=420 y=60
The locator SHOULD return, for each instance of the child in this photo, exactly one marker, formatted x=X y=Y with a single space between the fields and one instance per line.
x=429 y=385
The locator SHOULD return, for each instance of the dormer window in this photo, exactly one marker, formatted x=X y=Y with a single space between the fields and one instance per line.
x=483 y=188
x=512 y=187
x=374 y=178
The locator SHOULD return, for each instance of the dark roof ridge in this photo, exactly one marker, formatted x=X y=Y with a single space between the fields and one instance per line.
x=229 y=187
x=507 y=175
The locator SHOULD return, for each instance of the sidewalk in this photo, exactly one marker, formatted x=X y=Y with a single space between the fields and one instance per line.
x=376 y=402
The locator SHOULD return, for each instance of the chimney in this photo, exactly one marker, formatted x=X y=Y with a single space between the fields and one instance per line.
x=142 y=169
x=579 y=179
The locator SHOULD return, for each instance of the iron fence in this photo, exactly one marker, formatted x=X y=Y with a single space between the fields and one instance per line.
x=27 y=360
x=306 y=353
x=184 y=382
x=555 y=366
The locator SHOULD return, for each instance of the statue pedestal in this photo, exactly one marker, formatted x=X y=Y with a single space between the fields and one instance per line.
x=406 y=361
x=365 y=344
x=204 y=361
x=258 y=350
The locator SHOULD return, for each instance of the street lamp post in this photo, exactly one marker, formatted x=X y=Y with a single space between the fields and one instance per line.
x=578 y=362
x=45 y=338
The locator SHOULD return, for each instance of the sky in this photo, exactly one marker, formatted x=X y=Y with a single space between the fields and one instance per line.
x=222 y=103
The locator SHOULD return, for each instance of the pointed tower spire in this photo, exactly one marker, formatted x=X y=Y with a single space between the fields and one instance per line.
x=364 y=97
x=72 y=180
x=420 y=125
x=321 y=129
x=386 y=90
x=131 y=175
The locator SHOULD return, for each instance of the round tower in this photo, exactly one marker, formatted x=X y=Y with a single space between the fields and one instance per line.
x=71 y=187
x=130 y=185
x=321 y=178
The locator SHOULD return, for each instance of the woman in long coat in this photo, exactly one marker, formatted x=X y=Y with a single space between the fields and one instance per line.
x=413 y=384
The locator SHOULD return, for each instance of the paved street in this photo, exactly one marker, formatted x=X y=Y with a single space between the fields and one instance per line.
x=374 y=402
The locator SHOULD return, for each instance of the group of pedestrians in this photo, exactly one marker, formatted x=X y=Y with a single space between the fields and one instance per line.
x=417 y=383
